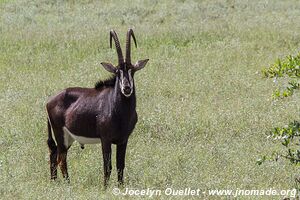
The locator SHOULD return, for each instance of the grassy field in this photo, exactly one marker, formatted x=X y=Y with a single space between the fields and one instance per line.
x=204 y=108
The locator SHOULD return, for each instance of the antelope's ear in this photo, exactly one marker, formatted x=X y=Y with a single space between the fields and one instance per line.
x=109 y=67
x=140 y=64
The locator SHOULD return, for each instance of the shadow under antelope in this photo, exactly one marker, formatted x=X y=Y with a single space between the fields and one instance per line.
x=104 y=114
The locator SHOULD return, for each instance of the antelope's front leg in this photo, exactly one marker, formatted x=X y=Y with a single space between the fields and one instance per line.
x=106 y=152
x=121 y=151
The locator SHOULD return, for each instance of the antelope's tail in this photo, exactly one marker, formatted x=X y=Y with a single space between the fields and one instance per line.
x=50 y=141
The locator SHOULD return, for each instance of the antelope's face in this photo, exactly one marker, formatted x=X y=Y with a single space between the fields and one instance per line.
x=125 y=70
x=126 y=81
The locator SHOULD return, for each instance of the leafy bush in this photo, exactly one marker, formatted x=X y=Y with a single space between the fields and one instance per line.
x=287 y=135
x=290 y=67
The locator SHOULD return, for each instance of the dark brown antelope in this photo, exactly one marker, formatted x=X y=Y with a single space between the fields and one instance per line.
x=104 y=114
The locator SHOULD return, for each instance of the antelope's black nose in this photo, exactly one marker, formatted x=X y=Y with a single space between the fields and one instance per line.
x=127 y=90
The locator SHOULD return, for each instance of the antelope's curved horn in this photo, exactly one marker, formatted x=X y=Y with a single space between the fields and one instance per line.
x=113 y=35
x=128 y=43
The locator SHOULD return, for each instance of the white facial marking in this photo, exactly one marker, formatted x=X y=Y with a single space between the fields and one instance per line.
x=121 y=82
x=121 y=75
x=81 y=139
x=130 y=78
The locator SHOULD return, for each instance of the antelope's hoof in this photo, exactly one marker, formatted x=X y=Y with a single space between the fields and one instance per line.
x=120 y=184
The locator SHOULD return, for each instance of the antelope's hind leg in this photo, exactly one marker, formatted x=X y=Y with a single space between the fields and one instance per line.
x=62 y=160
x=53 y=159
x=64 y=141
x=53 y=153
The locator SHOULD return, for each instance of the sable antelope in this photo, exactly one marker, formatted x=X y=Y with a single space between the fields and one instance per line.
x=104 y=114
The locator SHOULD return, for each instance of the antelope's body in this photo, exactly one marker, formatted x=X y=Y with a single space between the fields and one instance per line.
x=105 y=114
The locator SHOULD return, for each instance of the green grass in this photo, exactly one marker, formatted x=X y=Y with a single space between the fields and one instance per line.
x=204 y=108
